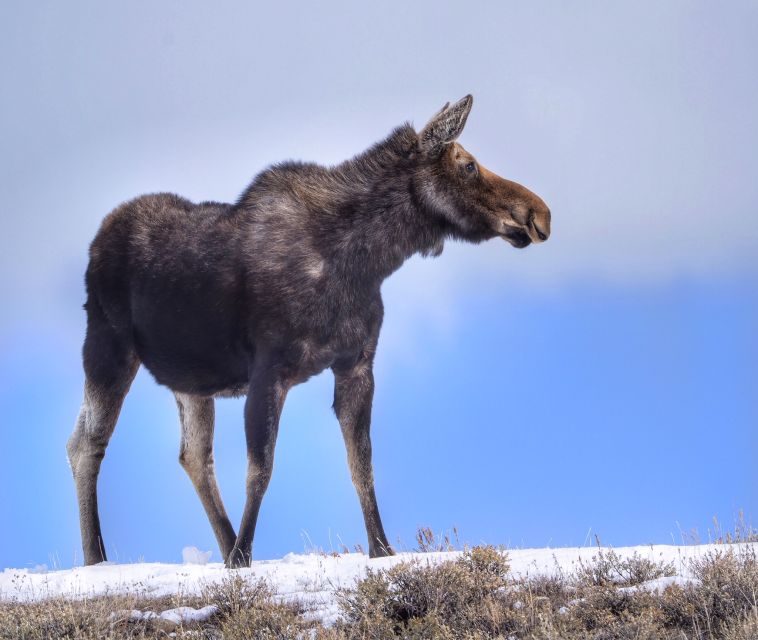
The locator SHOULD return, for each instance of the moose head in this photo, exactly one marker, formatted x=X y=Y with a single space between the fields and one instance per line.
x=477 y=203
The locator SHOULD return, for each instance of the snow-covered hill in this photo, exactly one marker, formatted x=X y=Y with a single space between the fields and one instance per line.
x=312 y=578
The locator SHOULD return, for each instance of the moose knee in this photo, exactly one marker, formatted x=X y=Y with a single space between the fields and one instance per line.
x=83 y=458
x=186 y=461
x=85 y=448
x=259 y=472
x=73 y=447
x=194 y=461
x=195 y=454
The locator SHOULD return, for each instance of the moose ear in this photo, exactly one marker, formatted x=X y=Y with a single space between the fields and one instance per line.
x=446 y=126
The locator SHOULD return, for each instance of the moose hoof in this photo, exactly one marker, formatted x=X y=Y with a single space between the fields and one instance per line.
x=381 y=552
x=94 y=557
x=238 y=559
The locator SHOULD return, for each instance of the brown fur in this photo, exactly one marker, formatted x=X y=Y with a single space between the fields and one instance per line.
x=252 y=298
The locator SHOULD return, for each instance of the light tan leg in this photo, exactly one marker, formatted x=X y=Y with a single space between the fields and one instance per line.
x=197 y=415
x=86 y=449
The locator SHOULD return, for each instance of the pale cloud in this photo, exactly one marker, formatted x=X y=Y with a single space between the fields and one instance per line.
x=636 y=125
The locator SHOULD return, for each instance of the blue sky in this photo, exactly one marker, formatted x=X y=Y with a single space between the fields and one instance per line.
x=604 y=382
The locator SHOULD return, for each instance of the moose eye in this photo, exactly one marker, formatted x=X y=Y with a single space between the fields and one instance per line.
x=470 y=167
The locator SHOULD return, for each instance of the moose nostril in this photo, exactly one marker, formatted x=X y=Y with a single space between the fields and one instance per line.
x=540 y=234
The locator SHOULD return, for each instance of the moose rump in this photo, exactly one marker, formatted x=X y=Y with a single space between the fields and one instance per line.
x=164 y=273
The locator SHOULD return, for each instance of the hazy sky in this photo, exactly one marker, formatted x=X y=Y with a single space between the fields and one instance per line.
x=605 y=380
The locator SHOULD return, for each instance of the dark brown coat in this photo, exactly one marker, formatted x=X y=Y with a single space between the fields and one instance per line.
x=252 y=298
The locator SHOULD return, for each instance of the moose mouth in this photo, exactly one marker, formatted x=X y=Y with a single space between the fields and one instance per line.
x=516 y=237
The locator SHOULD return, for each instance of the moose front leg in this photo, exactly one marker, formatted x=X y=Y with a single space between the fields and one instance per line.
x=263 y=407
x=197 y=417
x=353 y=394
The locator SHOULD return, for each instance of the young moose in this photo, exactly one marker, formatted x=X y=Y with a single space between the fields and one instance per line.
x=253 y=298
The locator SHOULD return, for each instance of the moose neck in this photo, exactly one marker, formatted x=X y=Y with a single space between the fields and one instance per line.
x=383 y=221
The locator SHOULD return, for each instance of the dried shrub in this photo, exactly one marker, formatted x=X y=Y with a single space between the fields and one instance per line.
x=272 y=621
x=608 y=568
x=235 y=594
x=248 y=610
x=745 y=629
x=725 y=594
x=421 y=600
x=608 y=608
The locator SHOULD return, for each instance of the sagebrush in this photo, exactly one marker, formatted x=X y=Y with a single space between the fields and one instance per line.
x=473 y=596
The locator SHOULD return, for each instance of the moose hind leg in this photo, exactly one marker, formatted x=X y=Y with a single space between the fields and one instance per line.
x=110 y=366
x=197 y=416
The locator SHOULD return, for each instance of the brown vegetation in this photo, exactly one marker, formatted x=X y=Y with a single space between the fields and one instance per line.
x=473 y=597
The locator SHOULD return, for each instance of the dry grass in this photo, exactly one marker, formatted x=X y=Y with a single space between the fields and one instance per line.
x=427 y=541
x=473 y=597
x=246 y=611
x=102 y=617
x=606 y=598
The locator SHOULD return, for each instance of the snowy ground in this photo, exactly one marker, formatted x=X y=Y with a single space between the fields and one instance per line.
x=312 y=578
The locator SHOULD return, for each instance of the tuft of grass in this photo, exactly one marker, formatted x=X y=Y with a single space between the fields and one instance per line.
x=427 y=541
x=743 y=531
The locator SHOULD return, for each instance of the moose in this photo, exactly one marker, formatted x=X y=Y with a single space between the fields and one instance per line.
x=252 y=298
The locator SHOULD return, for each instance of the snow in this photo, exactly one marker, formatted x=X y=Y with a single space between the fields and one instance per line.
x=188 y=614
x=312 y=579
x=659 y=584
x=174 y=617
x=193 y=555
